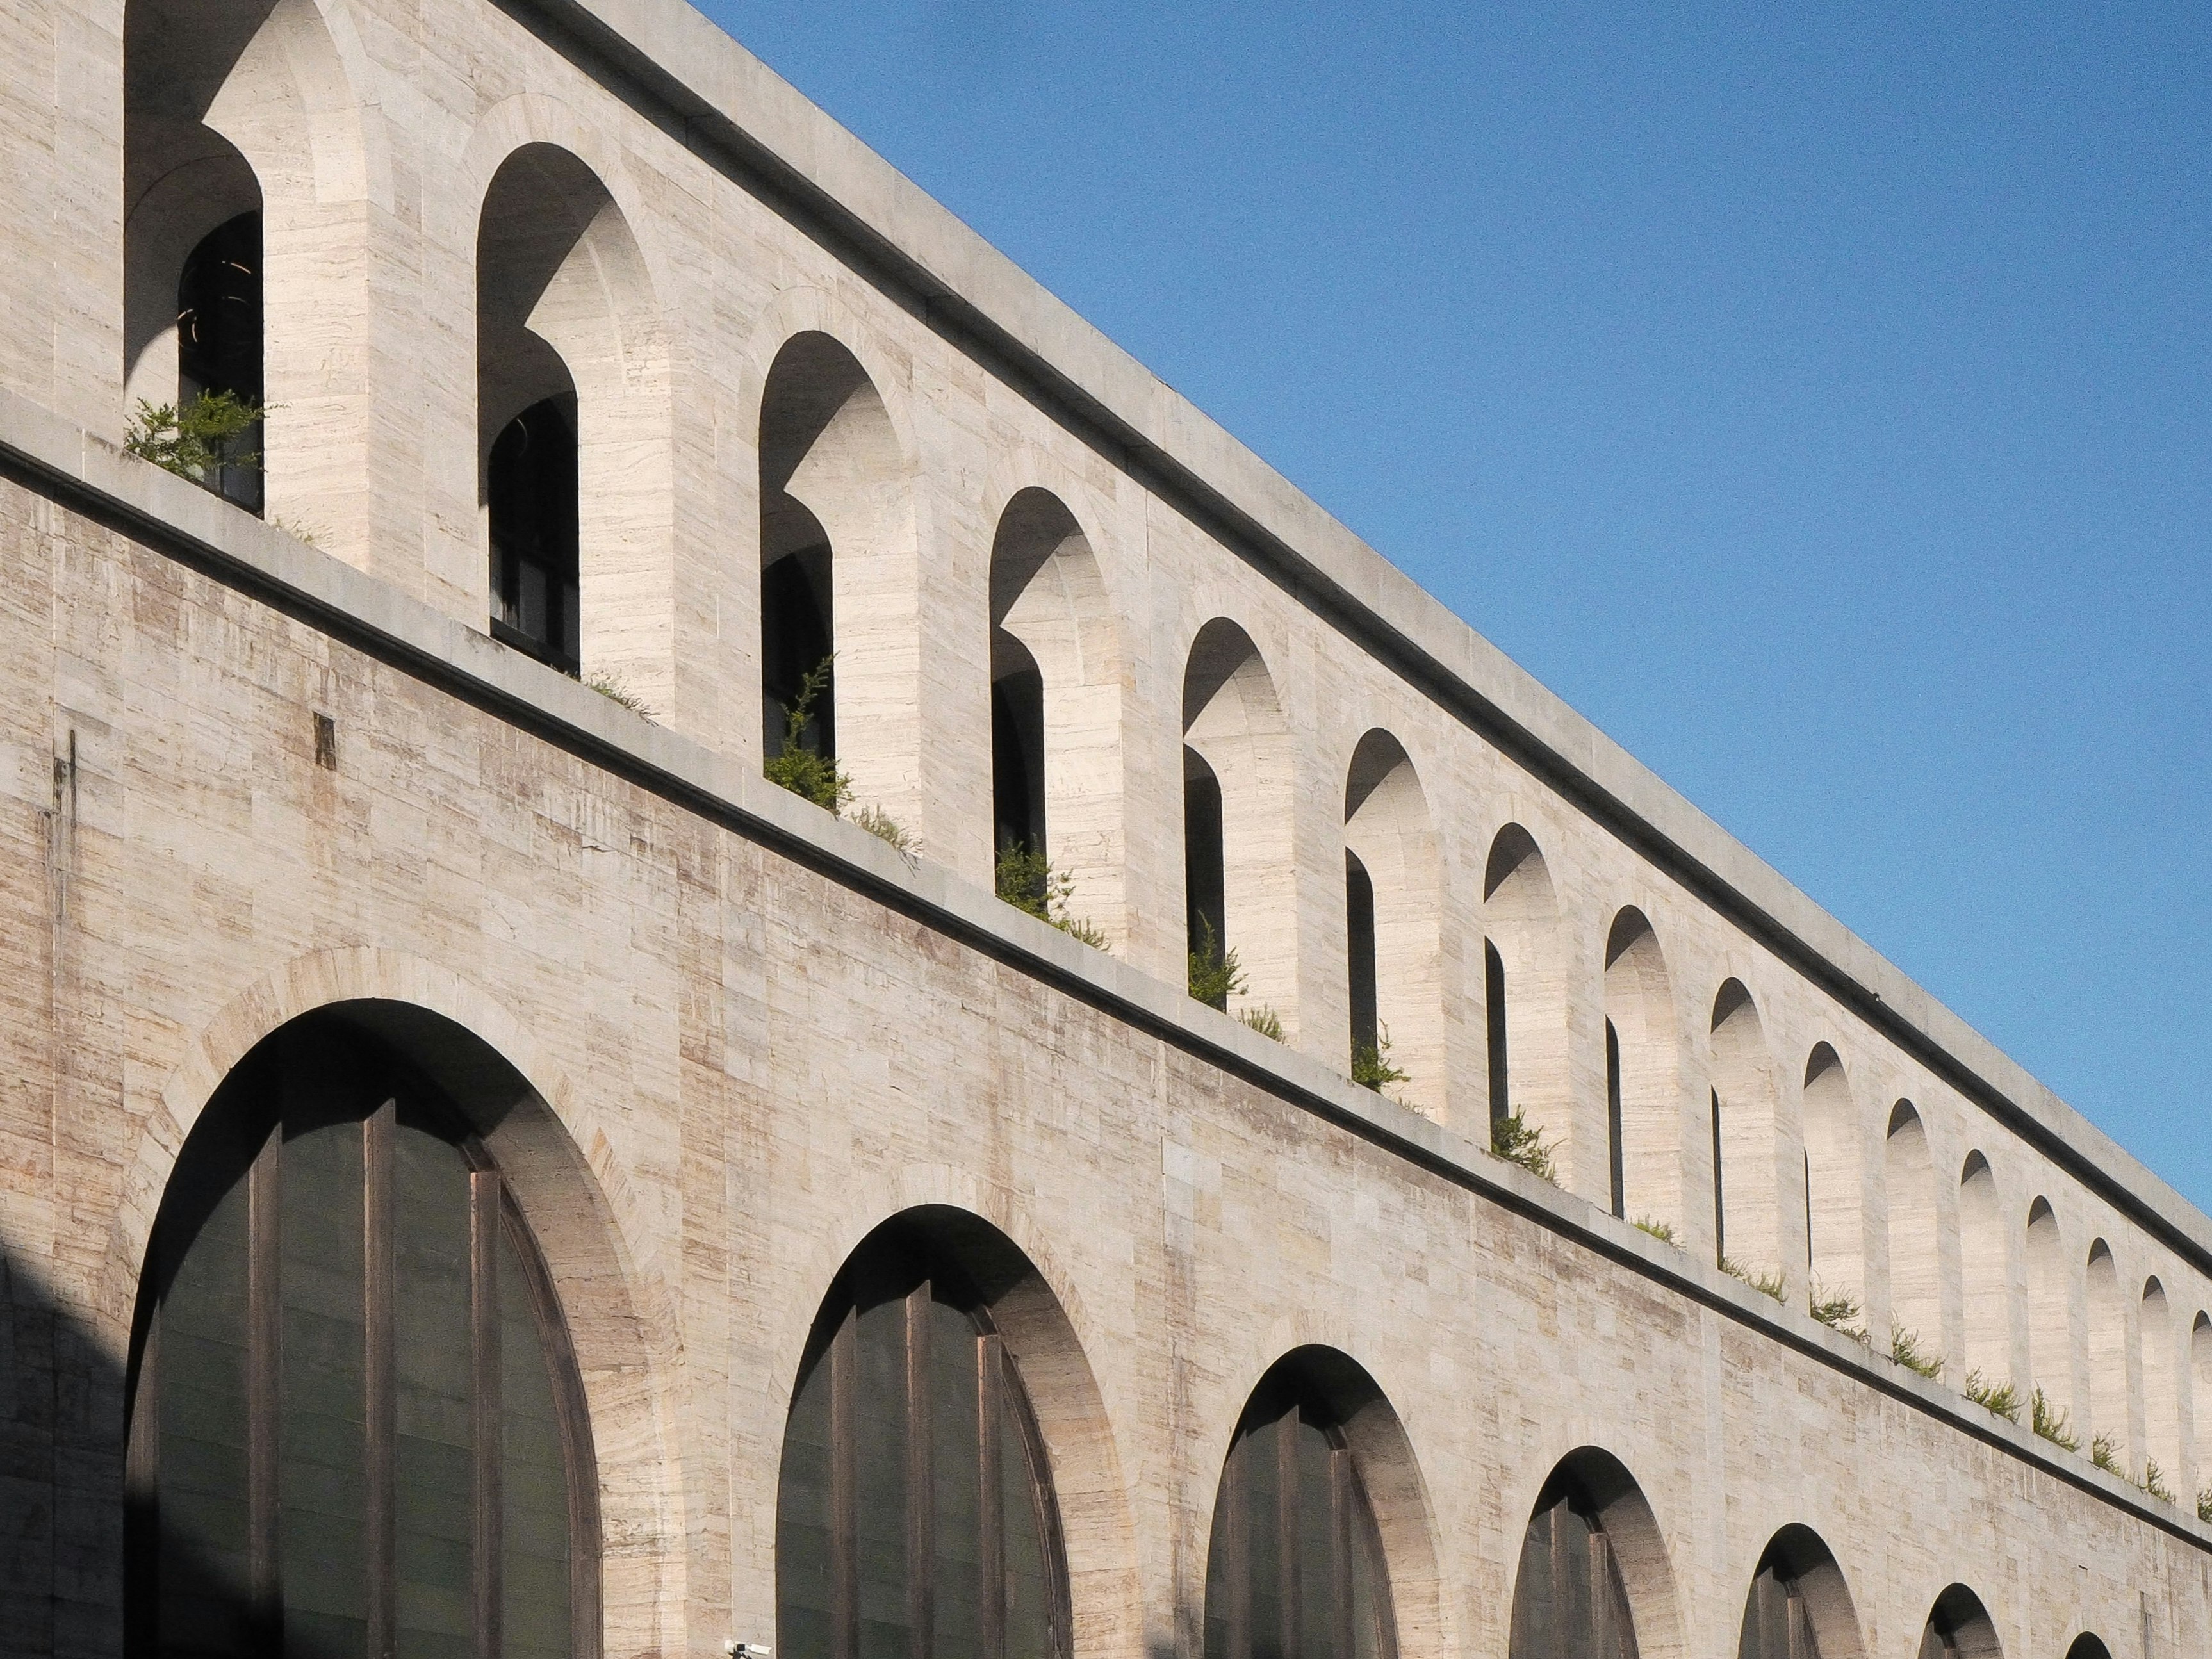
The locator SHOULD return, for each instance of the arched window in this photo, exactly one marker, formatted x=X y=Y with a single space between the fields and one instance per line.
x=1294 y=1569
x=1568 y=1599
x=1984 y=1273
x=1747 y=1174
x=1394 y=891
x=1205 y=872
x=1524 y=998
x=1644 y=1093
x=2162 y=1384
x=355 y=1423
x=1834 y=1198
x=2051 y=1357
x=2087 y=1646
x=2110 y=1394
x=1916 y=1283
x=1799 y=1607
x=914 y=1512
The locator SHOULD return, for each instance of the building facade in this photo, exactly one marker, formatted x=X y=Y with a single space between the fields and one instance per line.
x=487 y=1170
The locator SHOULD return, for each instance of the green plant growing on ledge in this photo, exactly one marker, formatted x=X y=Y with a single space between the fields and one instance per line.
x=617 y=690
x=2048 y=1422
x=2204 y=1505
x=2001 y=1398
x=1264 y=1020
x=2154 y=1481
x=1662 y=1230
x=888 y=830
x=1027 y=881
x=1215 y=975
x=808 y=772
x=1370 y=1063
x=1775 y=1284
x=2105 y=1453
x=1838 y=1310
x=1905 y=1348
x=1517 y=1141
x=195 y=442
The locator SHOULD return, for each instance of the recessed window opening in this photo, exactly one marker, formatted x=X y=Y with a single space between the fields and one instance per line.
x=529 y=490
x=1834 y=1195
x=1747 y=1204
x=355 y=1423
x=2051 y=1308
x=914 y=1515
x=1359 y=958
x=1615 y=1138
x=798 y=637
x=1568 y=1599
x=1018 y=758
x=1204 y=876
x=2109 y=1392
x=1294 y=1568
x=1915 y=1229
x=1720 y=1185
x=1493 y=1007
x=219 y=346
x=2162 y=1384
x=1643 y=1060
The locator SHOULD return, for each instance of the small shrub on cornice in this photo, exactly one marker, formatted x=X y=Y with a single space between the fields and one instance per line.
x=1905 y=1348
x=1662 y=1230
x=198 y=440
x=2050 y=1423
x=888 y=830
x=808 y=772
x=1517 y=1141
x=614 y=688
x=2204 y=1505
x=1214 y=975
x=1838 y=1310
x=1027 y=881
x=1370 y=1063
x=2105 y=1453
x=2001 y=1398
x=2154 y=1481
x=1774 y=1284
x=1264 y=1020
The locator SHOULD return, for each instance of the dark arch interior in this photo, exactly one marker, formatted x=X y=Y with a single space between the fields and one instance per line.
x=219 y=344
x=1294 y=1566
x=355 y=1424
x=797 y=637
x=529 y=492
x=1205 y=871
x=1359 y=955
x=1778 y=1613
x=1018 y=816
x=1568 y=1599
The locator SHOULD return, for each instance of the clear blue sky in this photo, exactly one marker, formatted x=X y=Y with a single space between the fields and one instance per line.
x=1821 y=404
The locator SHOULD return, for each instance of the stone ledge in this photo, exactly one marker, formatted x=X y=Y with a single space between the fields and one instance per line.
x=86 y=474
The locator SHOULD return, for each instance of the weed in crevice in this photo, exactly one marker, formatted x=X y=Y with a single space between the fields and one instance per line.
x=1662 y=1230
x=2050 y=1422
x=808 y=772
x=1838 y=1310
x=1370 y=1063
x=1775 y=1284
x=614 y=688
x=1027 y=881
x=2105 y=1453
x=1264 y=1020
x=888 y=830
x=2001 y=1398
x=1905 y=1348
x=1214 y=975
x=2154 y=1481
x=1517 y=1141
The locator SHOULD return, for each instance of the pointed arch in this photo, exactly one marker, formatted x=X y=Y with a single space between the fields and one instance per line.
x=1594 y=1578
x=1835 y=1200
x=1985 y=1278
x=574 y=427
x=245 y=245
x=2051 y=1311
x=1239 y=860
x=1056 y=704
x=1643 y=1090
x=1394 y=893
x=1525 y=999
x=839 y=574
x=1800 y=1606
x=1915 y=1285
x=1746 y=1171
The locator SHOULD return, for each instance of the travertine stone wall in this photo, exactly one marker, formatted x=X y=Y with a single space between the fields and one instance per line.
x=755 y=1033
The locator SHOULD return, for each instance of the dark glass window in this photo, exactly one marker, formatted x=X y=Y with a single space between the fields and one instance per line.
x=1776 y=1623
x=1017 y=760
x=530 y=493
x=219 y=342
x=1493 y=1005
x=796 y=640
x=356 y=1427
x=1294 y=1569
x=1616 y=1152
x=915 y=1516
x=1359 y=952
x=1568 y=1599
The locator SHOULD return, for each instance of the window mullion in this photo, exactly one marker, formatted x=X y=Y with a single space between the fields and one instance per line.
x=990 y=1550
x=379 y=1362
x=483 y=1342
x=263 y=1392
